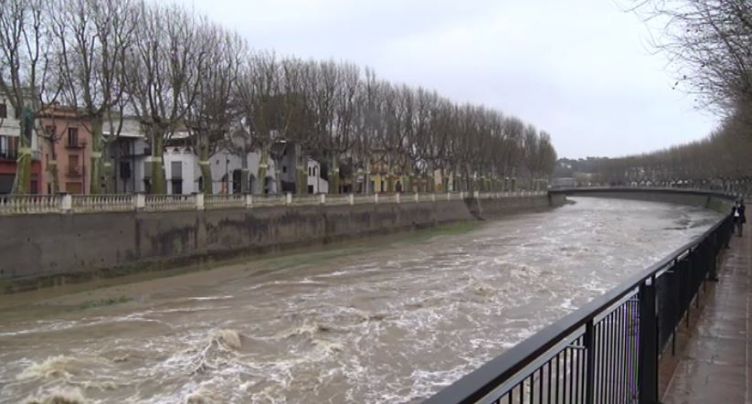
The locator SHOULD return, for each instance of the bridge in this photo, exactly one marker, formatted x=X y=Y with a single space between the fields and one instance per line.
x=676 y=332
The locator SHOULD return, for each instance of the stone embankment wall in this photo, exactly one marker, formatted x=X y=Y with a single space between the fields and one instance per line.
x=711 y=200
x=44 y=249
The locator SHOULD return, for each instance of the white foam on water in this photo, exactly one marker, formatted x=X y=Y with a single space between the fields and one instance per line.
x=210 y=298
x=65 y=395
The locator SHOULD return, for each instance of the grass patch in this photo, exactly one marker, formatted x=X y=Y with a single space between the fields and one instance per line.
x=105 y=302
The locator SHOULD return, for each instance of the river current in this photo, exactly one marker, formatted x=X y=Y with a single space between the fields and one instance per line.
x=382 y=321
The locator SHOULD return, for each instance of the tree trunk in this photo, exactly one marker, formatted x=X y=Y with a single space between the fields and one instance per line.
x=97 y=167
x=334 y=178
x=367 y=183
x=263 y=169
x=52 y=167
x=302 y=187
x=205 y=167
x=444 y=186
x=244 y=177
x=22 y=180
x=158 y=181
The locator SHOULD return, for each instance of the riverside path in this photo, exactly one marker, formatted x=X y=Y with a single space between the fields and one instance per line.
x=716 y=364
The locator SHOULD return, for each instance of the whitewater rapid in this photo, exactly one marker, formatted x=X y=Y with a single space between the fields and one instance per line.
x=379 y=321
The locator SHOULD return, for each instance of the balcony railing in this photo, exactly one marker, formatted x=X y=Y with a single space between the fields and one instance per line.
x=75 y=145
x=8 y=155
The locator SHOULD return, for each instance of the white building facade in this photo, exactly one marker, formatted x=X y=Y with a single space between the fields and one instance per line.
x=316 y=184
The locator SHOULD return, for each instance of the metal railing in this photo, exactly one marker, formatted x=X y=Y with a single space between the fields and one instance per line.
x=608 y=350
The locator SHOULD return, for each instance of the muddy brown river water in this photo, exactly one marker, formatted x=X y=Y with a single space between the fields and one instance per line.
x=381 y=321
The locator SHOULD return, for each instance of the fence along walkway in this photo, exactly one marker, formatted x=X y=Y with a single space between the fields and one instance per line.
x=716 y=366
x=37 y=204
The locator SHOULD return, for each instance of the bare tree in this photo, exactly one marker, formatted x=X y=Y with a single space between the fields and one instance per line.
x=709 y=41
x=162 y=76
x=213 y=113
x=24 y=69
x=259 y=106
x=93 y=37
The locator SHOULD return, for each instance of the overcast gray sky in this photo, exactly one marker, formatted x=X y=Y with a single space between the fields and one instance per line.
x=580 y=69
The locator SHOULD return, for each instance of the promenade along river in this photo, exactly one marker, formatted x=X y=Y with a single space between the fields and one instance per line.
x=380 y=321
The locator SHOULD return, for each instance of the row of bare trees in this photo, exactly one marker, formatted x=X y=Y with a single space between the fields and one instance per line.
x=709 y=42
x=719 y=161
x=175 y=71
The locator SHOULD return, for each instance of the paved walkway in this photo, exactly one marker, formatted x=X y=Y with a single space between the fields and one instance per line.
x=716 y=366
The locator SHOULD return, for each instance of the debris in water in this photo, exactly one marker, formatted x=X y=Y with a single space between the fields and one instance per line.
x=229 y=338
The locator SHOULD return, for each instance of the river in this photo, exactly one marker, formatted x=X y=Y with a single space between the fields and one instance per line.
x=383 y=321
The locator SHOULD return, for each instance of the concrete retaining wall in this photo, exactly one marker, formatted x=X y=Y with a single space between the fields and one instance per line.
x=44 y=249
x=710 y=200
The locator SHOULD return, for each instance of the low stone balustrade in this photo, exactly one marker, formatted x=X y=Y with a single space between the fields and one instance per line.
x=36 y=204
x=30 y=204
x=169 y=202
x=100 y=203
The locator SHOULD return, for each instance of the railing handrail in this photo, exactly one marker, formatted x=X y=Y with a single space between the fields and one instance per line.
x=486 y=378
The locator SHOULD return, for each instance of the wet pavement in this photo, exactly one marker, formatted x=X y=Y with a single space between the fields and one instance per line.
x=716 y=364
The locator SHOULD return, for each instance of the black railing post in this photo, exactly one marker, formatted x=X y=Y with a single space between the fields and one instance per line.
x=589 y=342
x=647 y=370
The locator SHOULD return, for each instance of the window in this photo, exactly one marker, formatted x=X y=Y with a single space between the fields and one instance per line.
x=73 y=168
x=73 y=137
x=284 y=169
x=177 y=187
x=176 y=170
x=125 y=170
x=3 y=110
x=8 y=147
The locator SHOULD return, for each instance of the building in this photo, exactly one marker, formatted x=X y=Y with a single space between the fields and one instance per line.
x=286 y=154
x=316 y=184
x=10 y=128
x=181 y=165
x=66 y=149
x=129 y=151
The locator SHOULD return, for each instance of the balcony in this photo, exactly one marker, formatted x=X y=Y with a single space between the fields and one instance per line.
x=6 y=155
x=74 y=172
x=75 y=145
